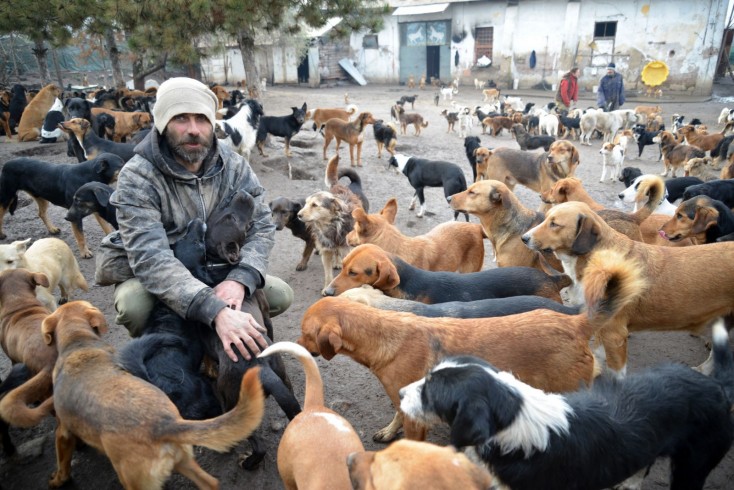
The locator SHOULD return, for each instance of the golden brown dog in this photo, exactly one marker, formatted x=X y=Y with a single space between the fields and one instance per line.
x=693 y=136
x=648 y=110
x=221 y=93
x=697 y=219
x=21 y=315
x=320 y=116
x=675 y=154
x=498 y=123
x=481 y=157
x=126 y=123
x=131 y=421
x=407 y=465
x=576 y=233
x=328 y=215
x=422 y=82
x=451 y=246
x=535 y=171
x=569 y=189
x=31 y=122
x=545 y=349
x=491 y=94
x=411 y=82
x=351 y=132
x=299 y=464
x=410 y=118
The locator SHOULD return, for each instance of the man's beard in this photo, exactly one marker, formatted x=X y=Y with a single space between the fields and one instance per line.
x=186 y=155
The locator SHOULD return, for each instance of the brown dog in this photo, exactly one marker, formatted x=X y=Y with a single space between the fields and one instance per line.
x=497 y=123
x=320 y=116
x=29 y=127
x=675 y=154
x=126 y=123
x=410 y=118
x=21 y=315
x=545 y=349
x=145 y=438
x=706 y=142
x=450 y=246
x=301 y=467
x=406 y=465
x=491 y=94
x=351 y=132
x=574 y=231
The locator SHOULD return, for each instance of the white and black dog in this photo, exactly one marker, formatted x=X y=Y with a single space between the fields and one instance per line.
x=240 y=130
x=424 y=173
x=590 y=439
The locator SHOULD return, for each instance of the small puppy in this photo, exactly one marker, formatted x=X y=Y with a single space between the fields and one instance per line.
x=298 y=465
x=613 y=156
x=285 y=215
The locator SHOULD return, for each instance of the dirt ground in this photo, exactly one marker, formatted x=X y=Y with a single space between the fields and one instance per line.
x=349 y=388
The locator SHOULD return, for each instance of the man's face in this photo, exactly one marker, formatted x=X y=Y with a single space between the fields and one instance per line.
x=610 y=72
x=190 y=137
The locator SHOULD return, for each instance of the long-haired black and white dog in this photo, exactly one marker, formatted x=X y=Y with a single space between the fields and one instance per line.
x=590 y=439
x=240 y=131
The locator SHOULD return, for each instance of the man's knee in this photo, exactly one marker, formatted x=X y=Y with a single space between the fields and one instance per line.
x=279 y=294
x=133 y=304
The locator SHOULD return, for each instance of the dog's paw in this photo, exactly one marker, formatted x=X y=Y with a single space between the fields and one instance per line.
x=53 y=230
x=58 y=478
x=386 y=434
x=86 y=253
x=301 y=267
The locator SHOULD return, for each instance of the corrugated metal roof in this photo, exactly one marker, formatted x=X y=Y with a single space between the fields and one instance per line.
x=421 y=9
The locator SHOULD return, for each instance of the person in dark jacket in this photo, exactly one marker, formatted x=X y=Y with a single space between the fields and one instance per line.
x=568 y=90
x=610 y=95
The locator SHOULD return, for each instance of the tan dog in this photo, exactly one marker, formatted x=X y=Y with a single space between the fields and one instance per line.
x=411 y=82
x=575 y=233
x=648 y=110
x=407 y=465
x=491 y=94
x=351 y=132
x=53 y=258
x=422 y=82
x=126 y=123
x=21 y=315
x=675 y=154
x=31 y=122
x=410 y=118
x=451 y=246
x=129 y=420
x=693 y=136
x=320 y=116
x=221 y=93
x=703 y=168
x=399 y=348
x=693 y=219
x=498 y=123
x=299 y=464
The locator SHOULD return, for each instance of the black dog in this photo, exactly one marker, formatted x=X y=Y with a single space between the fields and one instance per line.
x=424 y=173
x=18 y=375
x=677 y=186
x=91 y=144
x=18 y=102
x=572 y=124
x=471 y=143
x=50 y=131
x=227 y=227
x=721 y=190
x=92 y=198
x=285 y=215
x=528 y=142
x=386 y=137
x=721 y=151
x=590 y=439
x=106 y=126
x=54 y=183
x=628 y=175
x=643 y=137
x=283 y=126
x=355 y=185
x=408 y=98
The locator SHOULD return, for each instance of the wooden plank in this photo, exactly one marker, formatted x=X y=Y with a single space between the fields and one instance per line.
x=346 y=63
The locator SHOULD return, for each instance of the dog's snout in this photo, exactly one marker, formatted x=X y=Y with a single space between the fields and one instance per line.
x=525 y=238
x=448 y=198
x=329 y=291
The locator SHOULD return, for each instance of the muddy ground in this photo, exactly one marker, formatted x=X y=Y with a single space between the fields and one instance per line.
x=349 y=388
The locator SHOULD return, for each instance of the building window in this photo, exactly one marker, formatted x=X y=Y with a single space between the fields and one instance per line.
x=370 y=41
x=483 y=42
x=605 y=30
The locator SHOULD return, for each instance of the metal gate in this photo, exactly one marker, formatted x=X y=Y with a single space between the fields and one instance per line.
x=420 y=41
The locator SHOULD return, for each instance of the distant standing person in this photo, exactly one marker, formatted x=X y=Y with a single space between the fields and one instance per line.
x=568 y=90
x=610 y=95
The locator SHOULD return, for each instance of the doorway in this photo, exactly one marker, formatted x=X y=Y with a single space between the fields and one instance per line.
x=303 y=70
x=433 y=62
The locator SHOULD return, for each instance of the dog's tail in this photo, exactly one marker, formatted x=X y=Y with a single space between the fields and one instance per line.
x=314 y=397
x=332 y=171
x=425 y=124
x=223 y=432
x=15 y=406
x=723 y=359
x=611 y=282
x=351 y=109
x=351 y=174
x=654 y=188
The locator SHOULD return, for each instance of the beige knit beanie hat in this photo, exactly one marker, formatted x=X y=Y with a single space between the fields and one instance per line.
x=183 y=96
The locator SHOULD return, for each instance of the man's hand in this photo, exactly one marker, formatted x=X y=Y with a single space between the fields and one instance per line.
x=234 y=326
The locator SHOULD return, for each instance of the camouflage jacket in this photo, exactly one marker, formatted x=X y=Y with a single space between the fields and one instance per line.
x=155 y=200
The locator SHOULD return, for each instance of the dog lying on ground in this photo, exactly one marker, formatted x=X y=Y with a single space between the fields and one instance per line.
x=92 y=145
x=406 y=119
x=481 y=308
x=675 y=155
x=698 y=216
x=57 y=186
x=369 y=264
x=21 y=315
x=702 y=168
x=424 y=173
x=148 y=439
x=579 y=235
x=284 y=126
x=399 y=348
x=351 y=132
x=450 y=246
x=405 y=465
x=386 y=136
x=93 y=198
x=588 y=439
x=328 y=215
x=528 y=142
x=126 y=123
x=51 y=257
x=240 y=130
x=30 y=123
x=309 y=429
x=285 y=215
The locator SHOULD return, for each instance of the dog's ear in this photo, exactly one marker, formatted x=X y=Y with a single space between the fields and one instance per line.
x=706 y=217
x=40 y=279
x=329 y=340
x=102 y=195
x=297 y=205
x=360 y=216
x=387 y=275
x=587 y=234
x=574 y=157
x=472 y=424
x=48 y=328
x=390 y=210
x=96 y=320
x=21 y=245
x=495 y=197
x=136 y=119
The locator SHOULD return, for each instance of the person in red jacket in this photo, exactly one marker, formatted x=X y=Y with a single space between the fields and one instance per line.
x=568 y=90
